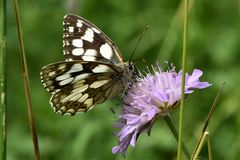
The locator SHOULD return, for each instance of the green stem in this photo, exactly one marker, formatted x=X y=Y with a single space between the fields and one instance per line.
x=195 y=157
x=3 y=106
x=209 y=148
x=209 y=117
x=175 y=133
x=26 y=83
x=185 y=38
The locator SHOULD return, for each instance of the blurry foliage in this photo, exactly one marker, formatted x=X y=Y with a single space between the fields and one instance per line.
x=214 y=47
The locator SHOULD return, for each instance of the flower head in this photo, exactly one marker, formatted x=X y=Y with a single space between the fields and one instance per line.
x=152 y=96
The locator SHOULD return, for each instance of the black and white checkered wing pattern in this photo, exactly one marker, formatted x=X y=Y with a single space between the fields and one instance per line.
x=77 y=86
x=93 y=70
x=84 y=41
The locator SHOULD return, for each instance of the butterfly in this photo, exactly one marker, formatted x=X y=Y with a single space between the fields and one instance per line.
x=93 y=70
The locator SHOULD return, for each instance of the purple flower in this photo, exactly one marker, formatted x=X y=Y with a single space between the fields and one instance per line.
x=151 y=97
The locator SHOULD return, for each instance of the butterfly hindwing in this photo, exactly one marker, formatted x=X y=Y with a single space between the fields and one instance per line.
x=84 y=41
x=77 y=86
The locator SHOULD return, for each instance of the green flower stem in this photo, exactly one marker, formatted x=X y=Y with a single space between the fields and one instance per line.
x=185 y=38
x=3 y=128
x=26 y=83
x=175 y=133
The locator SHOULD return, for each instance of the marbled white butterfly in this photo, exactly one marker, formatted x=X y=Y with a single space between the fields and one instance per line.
x=93 y=71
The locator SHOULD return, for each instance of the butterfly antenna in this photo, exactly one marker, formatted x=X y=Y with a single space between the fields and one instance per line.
x=140 y=38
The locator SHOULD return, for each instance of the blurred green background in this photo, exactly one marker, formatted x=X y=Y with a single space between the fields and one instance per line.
x=214 y=47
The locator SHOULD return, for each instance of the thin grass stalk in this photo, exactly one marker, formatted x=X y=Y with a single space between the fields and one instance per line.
x=195 y=157
x=209 y=148
x=209 y=117
x=175 y=133
x=184 y=52
x=26 y=83
x=3 y=105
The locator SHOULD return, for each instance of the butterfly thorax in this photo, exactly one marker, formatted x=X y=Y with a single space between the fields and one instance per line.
x=128 y=76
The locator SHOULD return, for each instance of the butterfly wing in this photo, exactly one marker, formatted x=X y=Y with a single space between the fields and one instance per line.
x=84 y=41
x=76 y=86
x=93 y=71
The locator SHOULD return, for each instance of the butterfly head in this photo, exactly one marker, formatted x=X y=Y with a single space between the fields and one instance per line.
x=133 y=69
x=130 y=73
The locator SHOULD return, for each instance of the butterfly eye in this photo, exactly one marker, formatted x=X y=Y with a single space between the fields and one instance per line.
x=131 y=66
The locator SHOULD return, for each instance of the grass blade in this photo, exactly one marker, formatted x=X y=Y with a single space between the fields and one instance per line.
x=209 y=148
x=26 y=83
x=184 y=52
x=3 y=105
x=209 y=118
x=201 y=142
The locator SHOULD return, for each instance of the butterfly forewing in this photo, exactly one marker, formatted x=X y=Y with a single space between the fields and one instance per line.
x=84 y=41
